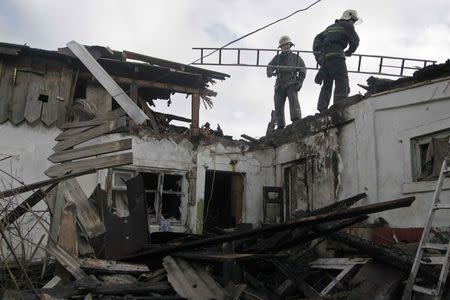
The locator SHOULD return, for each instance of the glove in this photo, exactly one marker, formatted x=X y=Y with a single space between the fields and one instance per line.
x=347 y=53
x=319 y=77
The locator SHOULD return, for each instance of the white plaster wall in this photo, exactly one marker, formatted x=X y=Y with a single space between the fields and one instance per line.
x=29 y=147
x=381 y=132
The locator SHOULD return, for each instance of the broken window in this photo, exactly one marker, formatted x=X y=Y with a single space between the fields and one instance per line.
x=163 y=192
x=428 y=153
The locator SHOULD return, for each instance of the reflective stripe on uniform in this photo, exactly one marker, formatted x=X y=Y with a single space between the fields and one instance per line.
x=334 y=54
x=335 y=30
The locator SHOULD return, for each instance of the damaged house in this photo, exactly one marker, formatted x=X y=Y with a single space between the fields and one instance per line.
x=62 y=118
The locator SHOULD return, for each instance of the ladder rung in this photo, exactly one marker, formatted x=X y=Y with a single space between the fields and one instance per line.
x=441 y=206
x=434 y=246
x=434 y=260
x=423 y=290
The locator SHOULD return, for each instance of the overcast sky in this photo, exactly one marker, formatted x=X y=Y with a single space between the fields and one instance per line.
x=169 y=29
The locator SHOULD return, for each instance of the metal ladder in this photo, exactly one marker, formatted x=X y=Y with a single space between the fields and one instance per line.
x=411 y=285
x=357 y=63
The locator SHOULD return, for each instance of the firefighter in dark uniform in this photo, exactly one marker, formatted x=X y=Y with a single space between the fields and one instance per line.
x=328 y=48
x=289 y=80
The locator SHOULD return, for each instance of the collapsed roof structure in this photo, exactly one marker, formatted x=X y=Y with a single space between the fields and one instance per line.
x=127 y=185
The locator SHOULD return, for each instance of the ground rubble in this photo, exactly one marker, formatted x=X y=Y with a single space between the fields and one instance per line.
x=311 y=257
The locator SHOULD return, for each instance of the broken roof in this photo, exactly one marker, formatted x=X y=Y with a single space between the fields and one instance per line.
x=335 y=115
x=55 y=76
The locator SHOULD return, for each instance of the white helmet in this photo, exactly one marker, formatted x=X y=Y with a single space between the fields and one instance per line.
x=284 y=40
x=351 y=14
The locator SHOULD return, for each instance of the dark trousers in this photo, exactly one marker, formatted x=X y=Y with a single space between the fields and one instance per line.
x=333 y=70
x=294 y=107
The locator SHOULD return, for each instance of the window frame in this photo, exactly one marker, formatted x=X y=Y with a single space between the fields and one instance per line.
x=159 y=192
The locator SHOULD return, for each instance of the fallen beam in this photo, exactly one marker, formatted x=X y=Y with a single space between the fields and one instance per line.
x=23 y=207
x=39 y=184
x=316 y=233
x=389 y=255
x=156 y=253
x=112 y=267
x=251 y=139
x=76 y=289
x=97 y=163
x=135 y=113
x=92 y=150
x=345 y=203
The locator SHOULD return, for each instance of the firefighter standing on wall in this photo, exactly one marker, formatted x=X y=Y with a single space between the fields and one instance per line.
x=329 y=52
x=289 y=80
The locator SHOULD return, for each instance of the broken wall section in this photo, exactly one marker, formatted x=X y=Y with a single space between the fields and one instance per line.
x=256 y=168
x=307 y=171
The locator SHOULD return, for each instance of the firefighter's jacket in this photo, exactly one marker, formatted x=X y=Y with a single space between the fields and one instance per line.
x=287 y=76
x=332 y=42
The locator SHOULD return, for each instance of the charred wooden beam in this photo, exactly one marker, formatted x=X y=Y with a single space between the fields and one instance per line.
x=165 y=86
x=317 y=232
x=156 y=253
x=195 y=112
x=39 y=184
x=251 y=139
x=345 y=203
x=389 y=255
x=23 y=207
x=78 y=288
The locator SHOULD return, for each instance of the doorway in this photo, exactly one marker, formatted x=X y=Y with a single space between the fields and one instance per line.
x=224 y=193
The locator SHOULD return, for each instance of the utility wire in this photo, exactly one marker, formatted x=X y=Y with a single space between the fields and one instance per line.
x=243 y=37
x=255 y=31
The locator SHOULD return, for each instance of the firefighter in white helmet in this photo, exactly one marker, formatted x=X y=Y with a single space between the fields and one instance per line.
x=289 y=80
x=329 y=49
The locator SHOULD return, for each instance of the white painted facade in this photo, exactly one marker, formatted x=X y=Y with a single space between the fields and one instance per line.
x=376 y=148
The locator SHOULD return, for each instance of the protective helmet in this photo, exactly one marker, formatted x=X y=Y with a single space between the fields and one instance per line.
x=285 y=40
x=351 y=14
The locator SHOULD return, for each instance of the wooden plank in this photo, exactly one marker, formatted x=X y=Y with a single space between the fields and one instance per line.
x=90 y=164
x=51 y=86
x=90 y=134
x=192 y=281
x=67 y=238
x=6 y=87
x=39 y=184
x=135 y=113
x=170 y=64
x=221 y=257
x=19 y=96
x=67 y=261
x=87 y=151
x=24 y=207
x=64 y=95
x=112 y=267
x=86 y=213
x=33 y=107
x=165 y=86
x=71 y=132
x=56 y=211
x=306 y=221
x=195 y=112
x=102 y=118
x=52 y=283
x=150 y=114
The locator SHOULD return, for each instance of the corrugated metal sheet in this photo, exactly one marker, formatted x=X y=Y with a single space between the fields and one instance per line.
x=192 y=281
